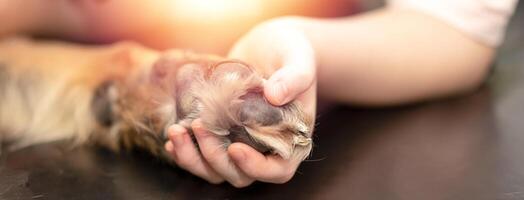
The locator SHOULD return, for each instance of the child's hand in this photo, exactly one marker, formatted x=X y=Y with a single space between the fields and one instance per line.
x=283 y=52
x=239 y=164
x=286 y=55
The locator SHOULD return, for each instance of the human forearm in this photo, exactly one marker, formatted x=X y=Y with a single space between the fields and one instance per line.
x=392 y=57
x=21 y=16
x=40 y=17
x=88 y=20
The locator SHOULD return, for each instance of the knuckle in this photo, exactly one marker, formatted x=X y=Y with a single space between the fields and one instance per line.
x=197 y=125
x=254 y=173
x=213 y=157
x=186 y=161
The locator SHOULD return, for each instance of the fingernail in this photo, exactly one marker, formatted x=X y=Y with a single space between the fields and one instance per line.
x=177 y=138
x=169 y=147
x=197 y=124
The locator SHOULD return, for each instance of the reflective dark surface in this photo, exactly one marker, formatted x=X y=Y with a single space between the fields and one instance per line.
x=468 y=147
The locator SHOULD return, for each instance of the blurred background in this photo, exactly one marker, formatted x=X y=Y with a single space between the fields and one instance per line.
x=205 y=26
x=212 y=26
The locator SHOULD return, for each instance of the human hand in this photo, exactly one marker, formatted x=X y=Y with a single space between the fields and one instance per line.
x=239 y=164
x=273 y=48
x=278 y=48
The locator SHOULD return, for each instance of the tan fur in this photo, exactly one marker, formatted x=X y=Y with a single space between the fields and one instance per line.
x=47 y=90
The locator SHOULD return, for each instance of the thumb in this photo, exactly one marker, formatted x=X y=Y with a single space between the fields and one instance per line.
x=287 y=83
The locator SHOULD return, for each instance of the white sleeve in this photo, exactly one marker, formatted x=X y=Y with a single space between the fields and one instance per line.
x=483 y=20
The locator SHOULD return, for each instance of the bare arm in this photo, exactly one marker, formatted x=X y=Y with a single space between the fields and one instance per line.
x=393 y=57
x=23 y=16
x=386 y=57
x=149 y=22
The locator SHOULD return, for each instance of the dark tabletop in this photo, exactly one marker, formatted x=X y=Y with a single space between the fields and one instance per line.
x=467 y=147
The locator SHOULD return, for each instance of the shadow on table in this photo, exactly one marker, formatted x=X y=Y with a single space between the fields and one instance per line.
x=440 y=150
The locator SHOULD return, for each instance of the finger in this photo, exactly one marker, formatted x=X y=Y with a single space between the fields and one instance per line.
x=186 y=155
x=286 y=84
x=308 y=100
x=272 y=169
x=298 y=69
x=214 y=152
